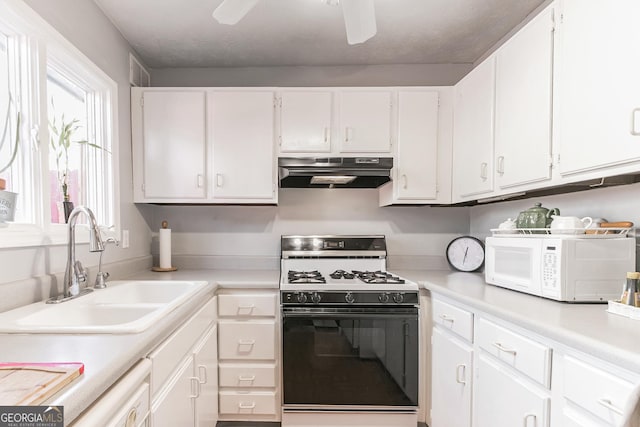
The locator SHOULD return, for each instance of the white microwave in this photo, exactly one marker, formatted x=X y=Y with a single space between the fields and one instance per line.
x=563 y=268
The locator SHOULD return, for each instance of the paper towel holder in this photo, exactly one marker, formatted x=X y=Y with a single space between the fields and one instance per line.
x=165 y=225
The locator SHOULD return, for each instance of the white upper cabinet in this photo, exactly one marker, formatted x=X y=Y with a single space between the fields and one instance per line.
x=169 y=131
x=473 y=132
x=599 y=87
x=305 y=121
x=524 y=77
x=416 y=169
x=203 y=145
x=242 y=132
x=365 y=121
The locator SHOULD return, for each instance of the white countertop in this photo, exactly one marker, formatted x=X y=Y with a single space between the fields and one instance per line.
x=585 y=327
x=108 y=356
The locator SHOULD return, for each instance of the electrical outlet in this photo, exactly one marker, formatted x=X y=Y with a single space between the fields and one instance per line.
x=125 y=239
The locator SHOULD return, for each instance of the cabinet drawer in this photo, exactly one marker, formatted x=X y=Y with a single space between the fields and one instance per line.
x=167 y=355
x=599 y=392
x=246 y=375
x=525 y=355
x=250 y=403
x=247 y=305
x=246 y=340
x=457 y=320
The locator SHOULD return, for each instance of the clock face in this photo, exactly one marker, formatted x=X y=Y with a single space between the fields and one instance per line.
x=466 y=253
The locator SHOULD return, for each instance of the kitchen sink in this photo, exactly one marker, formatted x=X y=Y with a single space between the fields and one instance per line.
x=123 y=307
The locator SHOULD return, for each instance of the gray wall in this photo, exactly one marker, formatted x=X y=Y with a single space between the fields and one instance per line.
x=210 y=235
x=84 y=25
x=614 y=204
x=369 y=75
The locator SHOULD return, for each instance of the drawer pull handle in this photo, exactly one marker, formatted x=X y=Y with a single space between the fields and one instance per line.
x=503 y=348
x=202 y=374
x=248 y=308
x=246 y=342
x=461 y=371
x=195 y=387
x=527 y=417
x=610 y=406
x=247 y=378
x=447 y=318
x=243 y=405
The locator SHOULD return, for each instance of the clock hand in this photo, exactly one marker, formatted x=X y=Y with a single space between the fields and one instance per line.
x=465 y=254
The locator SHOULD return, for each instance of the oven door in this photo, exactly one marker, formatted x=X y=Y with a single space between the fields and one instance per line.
x=350 y=358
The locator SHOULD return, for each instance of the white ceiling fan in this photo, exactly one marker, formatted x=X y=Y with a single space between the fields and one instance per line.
x=359 y=16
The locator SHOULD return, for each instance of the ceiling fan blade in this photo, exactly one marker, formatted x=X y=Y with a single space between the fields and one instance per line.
x=231 y=11
x=359 y=20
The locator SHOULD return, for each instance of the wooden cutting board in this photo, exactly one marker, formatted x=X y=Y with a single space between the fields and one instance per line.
x=33 y=383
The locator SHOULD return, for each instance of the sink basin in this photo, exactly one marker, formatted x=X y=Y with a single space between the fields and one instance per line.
x=123 y=307
x=143 y=292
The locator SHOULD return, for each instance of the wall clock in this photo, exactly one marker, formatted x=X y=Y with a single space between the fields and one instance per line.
x=465 y=253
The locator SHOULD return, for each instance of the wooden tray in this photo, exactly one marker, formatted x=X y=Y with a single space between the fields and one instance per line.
x=33 y=383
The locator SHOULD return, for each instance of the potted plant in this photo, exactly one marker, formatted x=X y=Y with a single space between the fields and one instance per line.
x=61 y=136
x=8 y=198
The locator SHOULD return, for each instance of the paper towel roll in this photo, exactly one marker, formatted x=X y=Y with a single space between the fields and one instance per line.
x=165 y=248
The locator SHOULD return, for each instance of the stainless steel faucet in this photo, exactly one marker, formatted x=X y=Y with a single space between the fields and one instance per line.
x=74 y=274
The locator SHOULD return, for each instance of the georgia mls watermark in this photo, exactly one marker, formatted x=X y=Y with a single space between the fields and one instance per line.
x=31 y=416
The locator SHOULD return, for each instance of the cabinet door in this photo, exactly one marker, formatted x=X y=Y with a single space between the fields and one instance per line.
x=524 y=71
x=451 y=381
x=206 y=370
x=242 y=131
x=416 y=170
x=473 y=132
x=175 y=405
x=305 y=122
x=599 y=86
x=365 y=122
x=503 y=399
x=174 y=141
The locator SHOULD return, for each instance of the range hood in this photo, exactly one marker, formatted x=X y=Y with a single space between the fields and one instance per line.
x=334 y=172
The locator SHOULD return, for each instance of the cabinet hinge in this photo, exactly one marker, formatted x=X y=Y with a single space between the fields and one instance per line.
x=142 y=187
x=558 y=159
x=142 y=101
x=562 y=18
x=551 y=160
x=277 y=102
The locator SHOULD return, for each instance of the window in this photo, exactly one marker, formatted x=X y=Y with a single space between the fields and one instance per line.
x=32 y=52
x=79 y=172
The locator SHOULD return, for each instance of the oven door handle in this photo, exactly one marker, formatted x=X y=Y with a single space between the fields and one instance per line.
x=342 y=315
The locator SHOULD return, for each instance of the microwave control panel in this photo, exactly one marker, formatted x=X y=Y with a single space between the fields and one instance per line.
x=550 y=265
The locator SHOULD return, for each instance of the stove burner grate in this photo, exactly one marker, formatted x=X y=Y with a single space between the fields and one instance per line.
x=378 y=277
x=314 y=276
x=342 y=274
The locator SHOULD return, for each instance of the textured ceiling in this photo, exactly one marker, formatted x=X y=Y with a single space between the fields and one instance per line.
x=179 y=33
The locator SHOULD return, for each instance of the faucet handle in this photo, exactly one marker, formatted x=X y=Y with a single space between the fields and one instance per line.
x=80 y=272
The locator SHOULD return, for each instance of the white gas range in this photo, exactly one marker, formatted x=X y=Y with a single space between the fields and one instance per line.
x=338 y=263
x=349 y=334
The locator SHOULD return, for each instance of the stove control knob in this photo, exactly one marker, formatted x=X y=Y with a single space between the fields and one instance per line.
x=315 y=297
x=302 y=298
x=384 y=297
x=349 y=298
x=398 y=298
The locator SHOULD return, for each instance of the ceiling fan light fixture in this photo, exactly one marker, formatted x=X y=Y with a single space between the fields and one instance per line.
x=359 y=20
x=230 y=12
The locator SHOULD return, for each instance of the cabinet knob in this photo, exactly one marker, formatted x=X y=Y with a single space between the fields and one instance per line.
x=527 y=417
x=634 y=115
x=404 y=181
x=219 y=180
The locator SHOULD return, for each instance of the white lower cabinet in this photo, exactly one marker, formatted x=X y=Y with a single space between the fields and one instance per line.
x=248 y=375
x=592 y=392
x=503 y=398
x=184 y=374
x=452 y=361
